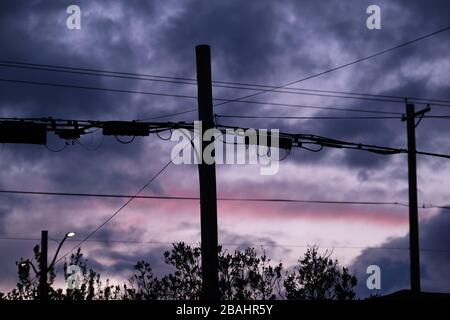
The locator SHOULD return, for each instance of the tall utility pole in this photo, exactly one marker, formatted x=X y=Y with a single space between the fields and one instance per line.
x=413 y=210
x=207 y=174
x=43 y=287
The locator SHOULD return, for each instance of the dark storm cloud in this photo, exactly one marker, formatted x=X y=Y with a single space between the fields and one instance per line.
x=394 y=262
x=124 y=261
x=242 y=40
x=108 y=39
x=37 y=32
x=331 y=22
x=258 y=42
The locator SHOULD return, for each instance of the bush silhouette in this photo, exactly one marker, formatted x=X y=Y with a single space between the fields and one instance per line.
x=243 y=275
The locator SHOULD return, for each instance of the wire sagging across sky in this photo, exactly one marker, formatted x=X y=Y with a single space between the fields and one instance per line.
x=262 y=89
x=311 y=201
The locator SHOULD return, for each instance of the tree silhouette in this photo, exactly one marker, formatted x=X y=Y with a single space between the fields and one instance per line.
x=27 y=286
x=243 y=275
x=91 y=286
x=318 y=277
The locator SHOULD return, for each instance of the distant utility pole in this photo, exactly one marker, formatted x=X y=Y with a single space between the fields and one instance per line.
x=414 y=249
x=43 y=287
x=207 y=174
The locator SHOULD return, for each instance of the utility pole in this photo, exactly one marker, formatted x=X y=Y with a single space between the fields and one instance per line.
x=414 y=249
x=207 y=175
x=43 y=287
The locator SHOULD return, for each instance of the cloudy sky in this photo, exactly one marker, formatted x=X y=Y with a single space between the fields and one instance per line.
x=262 y=42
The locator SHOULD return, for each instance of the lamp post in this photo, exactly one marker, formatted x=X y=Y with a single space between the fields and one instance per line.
x=44 y=269
x=67 y=235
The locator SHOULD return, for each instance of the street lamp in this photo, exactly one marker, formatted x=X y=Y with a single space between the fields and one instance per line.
x=44 y=269
x=67 y=235
x=30 y=263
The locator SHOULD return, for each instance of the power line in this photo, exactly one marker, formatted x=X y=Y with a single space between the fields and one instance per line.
x=289 y=105
x=197 y=198
x=98 y=195
x=100 y=72
x=286 y=105
x=304 y=118
x=300 y=140
x=95 y=72
x=326 y=71
x=224 y=101
x=102 y=195
x=72 y=86
x=303 y=106
x=348 y=94
x=220 y=84
x=131 y=198
x=265 y=90
x=83 y=87
x=445 y=117
x=342 y=66
x=333 y=143
x=65 y=85
x=72 y=128
x=445 y=156
x=229 y=244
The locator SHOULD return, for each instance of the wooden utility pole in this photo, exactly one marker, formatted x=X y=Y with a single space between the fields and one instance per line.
x=207 y=175
x=414 y=249
x=43 y=287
